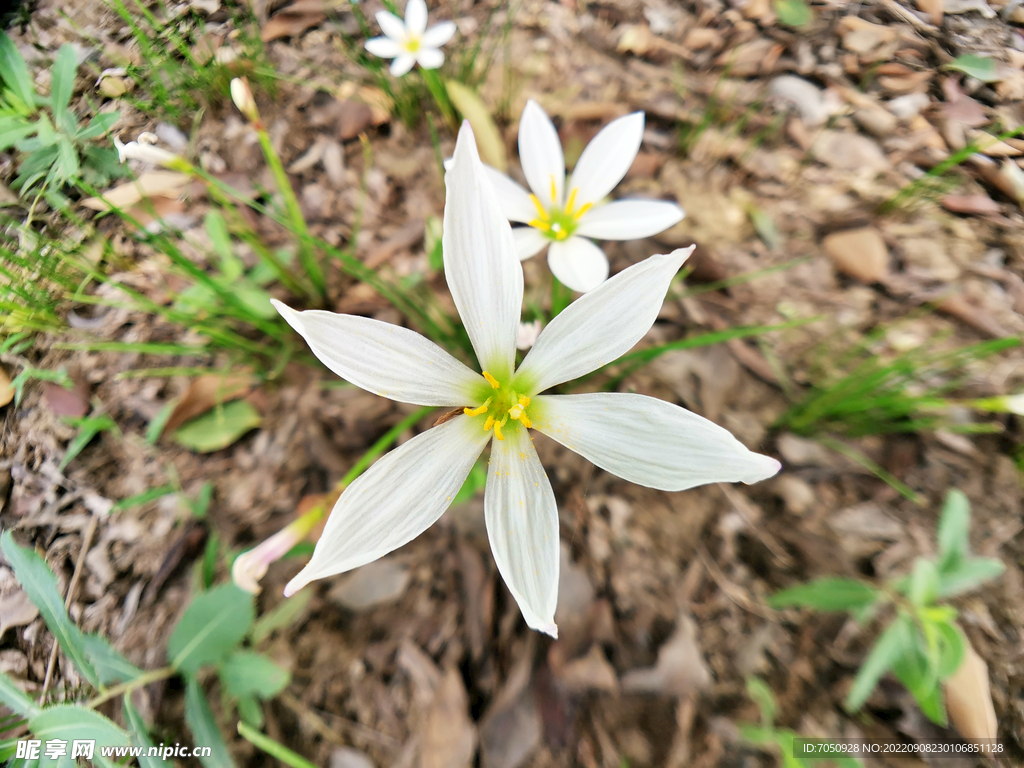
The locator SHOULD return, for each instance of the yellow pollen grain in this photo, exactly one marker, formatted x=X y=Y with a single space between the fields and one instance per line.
x=491 y=380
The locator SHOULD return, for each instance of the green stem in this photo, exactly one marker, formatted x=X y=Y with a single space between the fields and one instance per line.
x=306 y=256
x=440 y=94
x=887 y=477
x=561 y=297
x=144 y=679
x=273 y=748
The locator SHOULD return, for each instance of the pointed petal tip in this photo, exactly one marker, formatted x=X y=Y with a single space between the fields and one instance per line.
x=766 y=467
x=549 y=629
x=294 y=586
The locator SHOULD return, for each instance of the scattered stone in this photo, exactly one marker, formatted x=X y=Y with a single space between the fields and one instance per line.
x=382 y=581
x=859 y=253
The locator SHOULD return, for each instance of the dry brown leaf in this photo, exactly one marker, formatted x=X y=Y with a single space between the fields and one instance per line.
x=934 y=9
x=859 y=253
x=960 y=107
x=206 y=392
x=978 y=205
x=591 y=672
x=449 y=736
x=297 y=18
x=680 y=669
x=6 y=390
x=63 y=402
x=969 y=699
x=976 y=317
x=149 y=184
x=862 y=36
x=16 y=610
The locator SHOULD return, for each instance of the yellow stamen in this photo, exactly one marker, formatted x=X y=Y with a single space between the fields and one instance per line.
x=571 y=201
x=524 y=401
x=491 y=380
x=525 y=420
x=583 y=209
x=489 y=423
x=497 y=431
x=544 y=226
x=478 y=411
x=515 y=411
x=554 y=191
x=542 y=213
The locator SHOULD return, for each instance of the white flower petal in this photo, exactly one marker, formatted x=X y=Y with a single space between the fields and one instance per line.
x=395 y=500
x=607 y=158
x=391 y=26
x=648 y=441
x=540 y=154
x=529 y=242
x=578 y=263
x=480 y=263
x=629 y=219
x=402 y=64
x=438 y=35
x=522 y=525
x=514 y=200
x=430 y=58
x=601 y=325
x=385 y=359
x=416 y=17
x=384 y=47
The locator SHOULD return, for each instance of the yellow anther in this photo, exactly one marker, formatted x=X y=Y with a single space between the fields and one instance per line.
x=524 y=401
x=525 y=420
x=571 y=201
x=497 y=431
x=489 y=423
x=583 y=209
x=491 y=380
x=477 y=411
x=543 y=226
x=515 y=411
x=542 y=213
x=554 y=191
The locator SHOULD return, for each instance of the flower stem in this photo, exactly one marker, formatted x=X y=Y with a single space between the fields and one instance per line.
x=440 y=94
x=561 y=297
x=273 y=748
x=144 y=679
x=306 y=256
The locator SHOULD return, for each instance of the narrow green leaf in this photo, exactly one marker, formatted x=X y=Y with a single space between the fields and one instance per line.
x=110 y=665
x=828 y=594
x=70 y=722
x=969 y=574
x=488 y=138
x=924 y=582
x=88 y=428
x=217 y=228
x=14 y=72
x=219 y=427
x=887 y=649
x=758 y=690
x=283 y=614
x=204 y=727
x=250 y=711
x=98 y=126
x=210 y=628
x=66 y=167
x=12 y=130
x=952 y=647
x=273 y=748
x=12 y=697
x=156 y=426
x=40 y=584
x=143 y=498
x=139 y=734
x=247 y=673
x=62 y=84
x=954 y=526
x=978 y=67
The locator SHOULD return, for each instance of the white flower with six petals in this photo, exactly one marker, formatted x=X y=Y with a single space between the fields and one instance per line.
x=561 y=215
x=409 y=42
x=638 y=438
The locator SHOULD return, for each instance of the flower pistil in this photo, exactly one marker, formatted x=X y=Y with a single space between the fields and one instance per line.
x=501 y=406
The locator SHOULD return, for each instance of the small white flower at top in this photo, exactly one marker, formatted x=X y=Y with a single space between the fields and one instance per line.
x=563 y=215
x=638 y=438
x=409 y=42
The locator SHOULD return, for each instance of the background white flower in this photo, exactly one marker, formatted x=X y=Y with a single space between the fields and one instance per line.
x=409 y=42
x=562 y=216
x=638 y=438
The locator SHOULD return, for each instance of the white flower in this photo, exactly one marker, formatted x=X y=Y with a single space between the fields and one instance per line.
x=527 y=335
x=144 y=149
x=638 y=438
x=409 y=42
x=563 y=215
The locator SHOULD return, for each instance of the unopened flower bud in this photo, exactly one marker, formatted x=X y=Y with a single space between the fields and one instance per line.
x=249 y=567
x=241 y=94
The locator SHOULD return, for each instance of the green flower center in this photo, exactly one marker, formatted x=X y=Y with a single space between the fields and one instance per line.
x=558 y=223
x=503 y=405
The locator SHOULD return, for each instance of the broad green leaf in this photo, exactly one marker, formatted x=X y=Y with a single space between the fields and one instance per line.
x=210 y=628
x=66 y=167
x=40 y=584
x=217 y=228
x=204 y=727
x=98 y=126
x=12 y=697
x=952 y=647
x=13 y=130
x=62 y=84
x=70 y=722
x=887 y=649
x=969 y=574
x=488 y=139
x=14 y=72
x=924 y=582
x=218 y=428
x=758 y=690
x=250 y=711
x=978 y=67
x=110 y=665
x=245 y=672
x=283 y=614
x=932 y=705
x=828 y=594
x=954 y=526
x=794 y=13
x=139 y=734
